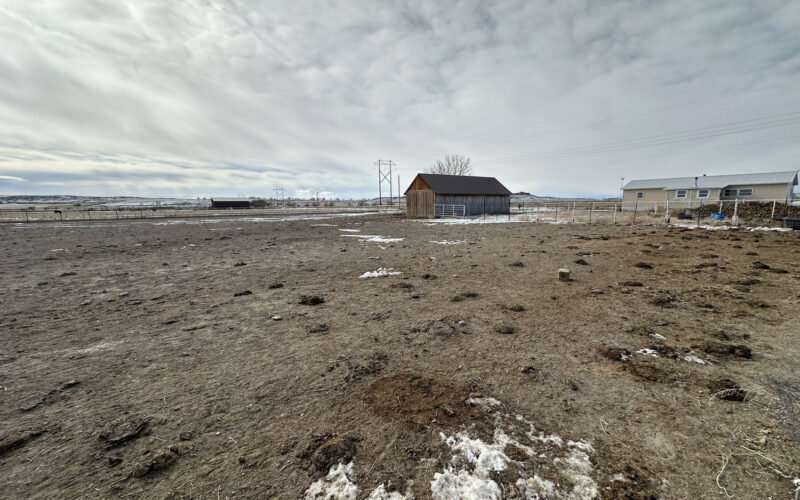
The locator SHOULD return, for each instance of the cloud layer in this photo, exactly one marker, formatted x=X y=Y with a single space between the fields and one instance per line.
x=208 y=97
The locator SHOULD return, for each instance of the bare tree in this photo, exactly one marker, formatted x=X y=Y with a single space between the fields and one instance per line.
x=451 y=165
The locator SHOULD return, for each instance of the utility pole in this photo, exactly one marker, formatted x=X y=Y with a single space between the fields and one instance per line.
x=384 y=174
x=279 y=194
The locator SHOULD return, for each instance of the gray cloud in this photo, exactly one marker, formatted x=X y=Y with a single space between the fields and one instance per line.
x=224 y=98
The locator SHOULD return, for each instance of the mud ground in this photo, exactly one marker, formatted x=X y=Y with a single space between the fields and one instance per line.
x=134 y=364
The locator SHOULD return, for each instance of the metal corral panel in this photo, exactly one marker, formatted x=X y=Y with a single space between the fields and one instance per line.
x=477 y=204
x=419 y=204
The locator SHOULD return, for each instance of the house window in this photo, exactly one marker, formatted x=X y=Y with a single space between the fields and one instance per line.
x=730 y=192
x=746 y=192
x=702 y=193
x=640 y=195
x=681 y=193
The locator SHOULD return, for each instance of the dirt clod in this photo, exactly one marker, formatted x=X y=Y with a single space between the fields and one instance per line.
x=311 y=300
x=728 y=390
x=124 y=429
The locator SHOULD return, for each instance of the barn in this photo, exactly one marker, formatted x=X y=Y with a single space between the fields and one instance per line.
x=434 y=195
x=230 y=203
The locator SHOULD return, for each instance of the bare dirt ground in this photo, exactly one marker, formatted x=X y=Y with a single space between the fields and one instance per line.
x=249 y=360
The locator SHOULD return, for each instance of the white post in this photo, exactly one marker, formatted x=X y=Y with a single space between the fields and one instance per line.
x=773 y=209
x=735 y=212
x=666 y=211
x=615 y=213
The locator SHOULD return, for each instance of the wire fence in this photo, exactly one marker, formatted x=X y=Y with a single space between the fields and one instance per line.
x=106 y=214
x=726 y=212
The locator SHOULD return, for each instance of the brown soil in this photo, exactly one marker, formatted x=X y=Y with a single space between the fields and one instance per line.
x=129 y=369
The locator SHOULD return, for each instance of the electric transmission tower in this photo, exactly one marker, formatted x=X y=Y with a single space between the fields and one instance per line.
x=385 y=175
x=279 y=195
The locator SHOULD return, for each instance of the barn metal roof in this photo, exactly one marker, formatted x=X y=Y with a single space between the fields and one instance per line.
x=465 y=184
x=715 y=181
x=231 y=199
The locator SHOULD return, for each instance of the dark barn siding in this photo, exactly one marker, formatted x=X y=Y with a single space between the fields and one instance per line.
x=477 y=204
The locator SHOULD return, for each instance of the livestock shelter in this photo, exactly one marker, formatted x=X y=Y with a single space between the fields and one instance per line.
x=230 y=203
x=435 y=195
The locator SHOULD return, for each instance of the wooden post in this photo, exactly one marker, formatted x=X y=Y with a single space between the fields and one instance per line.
x=591 y=209
x=573 y=212
x=615 y=213
x=556 y=213
x=736 y=212
x=635 y=209
x=773 y=209
x=666 y=211
x=26 y=216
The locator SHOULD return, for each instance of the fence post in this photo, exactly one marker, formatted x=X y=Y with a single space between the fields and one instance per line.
x=556 y=213
x=635 y=209
x=736 y=212
x=615 y=213
x=573 y=212
x=26 y=216
x=666 y=212
x=538 y=209
x=591 y=209
x=773 y=209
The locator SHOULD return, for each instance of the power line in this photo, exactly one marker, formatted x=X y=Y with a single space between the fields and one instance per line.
x=742 y=126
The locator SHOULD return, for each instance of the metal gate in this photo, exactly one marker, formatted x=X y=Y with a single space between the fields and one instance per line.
x=449 y=210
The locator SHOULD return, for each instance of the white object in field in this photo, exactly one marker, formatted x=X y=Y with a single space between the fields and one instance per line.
x=381 y=271
x=563 y=274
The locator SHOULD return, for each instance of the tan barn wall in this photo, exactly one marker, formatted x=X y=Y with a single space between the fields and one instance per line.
x=419 y=203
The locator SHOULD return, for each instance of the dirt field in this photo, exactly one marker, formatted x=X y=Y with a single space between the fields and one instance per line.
x=250 y=360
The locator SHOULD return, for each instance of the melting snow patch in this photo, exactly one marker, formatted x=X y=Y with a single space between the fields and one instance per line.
x=337 y=485
x=373 y=238
x=648 y=352
x=350 y=230
x=381 y=271
x=445 y=242
x=694 y=359
x=325 y=225
x=658 y=336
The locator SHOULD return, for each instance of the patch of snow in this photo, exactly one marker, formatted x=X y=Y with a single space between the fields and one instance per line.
x=381 y=271
x=452 y=485
x=780 y=229
x=693 y=359
x=625 y=357
x=375 y=238
x=335 y=486
x=658 y=336
x=709 y=227
x=648 y=352
x=380 y=493
x=485 y=402
x=535 y=487
x=325 y=225
x=445 y=242
x=350 y=230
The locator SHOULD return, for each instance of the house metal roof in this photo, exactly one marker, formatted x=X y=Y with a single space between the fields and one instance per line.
x=238 y=200
x=465 y=184
x=715 y=181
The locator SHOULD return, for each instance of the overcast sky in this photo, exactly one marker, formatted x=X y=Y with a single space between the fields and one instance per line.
x=208 y=97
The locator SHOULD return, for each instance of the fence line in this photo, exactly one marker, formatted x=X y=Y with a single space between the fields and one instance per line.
x=106 y=214
x=730 y=211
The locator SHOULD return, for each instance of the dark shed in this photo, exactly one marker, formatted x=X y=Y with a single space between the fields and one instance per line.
x=430 y=195
x=230 y=203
